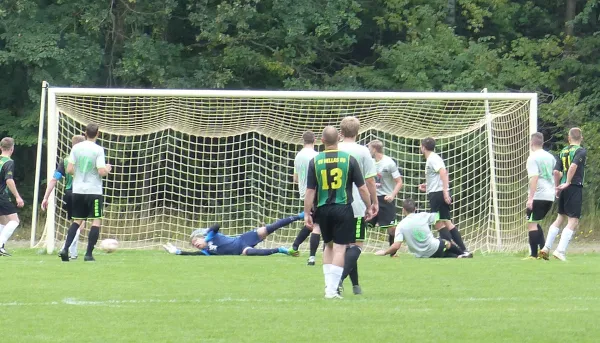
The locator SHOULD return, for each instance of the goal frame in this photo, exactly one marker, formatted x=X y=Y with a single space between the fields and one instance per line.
x=49 y=111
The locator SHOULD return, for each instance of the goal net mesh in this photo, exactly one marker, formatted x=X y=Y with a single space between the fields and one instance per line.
x=181 y=163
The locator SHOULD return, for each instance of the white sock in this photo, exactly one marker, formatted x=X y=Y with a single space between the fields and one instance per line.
x=8 y=231
x=73 y=247
x=336 y=276
x=326 y=273
x=552 y=233
x=565 y=238
x=1 y=228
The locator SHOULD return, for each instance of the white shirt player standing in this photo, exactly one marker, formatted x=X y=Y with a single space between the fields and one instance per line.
x=301 y=162
x=87 y=165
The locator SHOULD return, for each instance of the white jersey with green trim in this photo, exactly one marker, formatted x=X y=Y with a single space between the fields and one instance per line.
x=367 y=167
x=387 y=173
x=541 y=164
x=301 y=162
x=432 y=173
x=87 y=157
x=415 y=230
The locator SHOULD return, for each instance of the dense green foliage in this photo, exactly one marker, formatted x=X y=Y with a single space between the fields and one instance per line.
x=549 y=47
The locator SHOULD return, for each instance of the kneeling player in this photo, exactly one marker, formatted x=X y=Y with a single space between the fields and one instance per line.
x=211 y=242
x=415 y=230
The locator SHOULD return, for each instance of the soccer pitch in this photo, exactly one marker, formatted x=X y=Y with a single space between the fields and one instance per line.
x=150 y=296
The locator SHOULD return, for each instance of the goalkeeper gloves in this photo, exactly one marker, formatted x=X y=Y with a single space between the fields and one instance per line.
x=171 y=249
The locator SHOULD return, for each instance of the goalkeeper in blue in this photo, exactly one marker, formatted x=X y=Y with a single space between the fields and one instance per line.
x=211 y=242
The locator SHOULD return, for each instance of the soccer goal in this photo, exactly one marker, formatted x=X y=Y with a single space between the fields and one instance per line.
x=184 y=159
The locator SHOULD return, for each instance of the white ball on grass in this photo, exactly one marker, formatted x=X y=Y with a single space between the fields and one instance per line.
x=109 y=245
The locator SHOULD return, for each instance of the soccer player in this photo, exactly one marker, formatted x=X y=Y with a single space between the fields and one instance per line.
x=301 y=162
x=211 y=242
x=87 y=165
x=9 y=219
x=437 y=186
x=569 y=175
x=540 y=166
x=349 y=128
x=415 y=230
x=388 y=182
x=59 y=173
x=331 y=176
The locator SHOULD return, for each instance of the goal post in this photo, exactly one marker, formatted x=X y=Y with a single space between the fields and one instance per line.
x=184 y=159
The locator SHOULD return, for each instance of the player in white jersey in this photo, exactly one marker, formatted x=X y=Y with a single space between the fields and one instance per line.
x=540 y=168
x=437 y=186
x=87 y=165
x=415 y=230
x=388 y=182
x=349 y=128
x=301 y=162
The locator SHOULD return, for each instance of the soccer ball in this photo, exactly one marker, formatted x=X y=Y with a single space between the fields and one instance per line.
x=109 y=245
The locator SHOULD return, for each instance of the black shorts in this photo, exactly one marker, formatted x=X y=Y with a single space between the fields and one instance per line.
x=68 y=203
x=336 y=222
x=6 y=206
x=438 y=204
x=387 y=213
x=570 y=201
x=538 y=211
x=87 y=206
x=442 y=252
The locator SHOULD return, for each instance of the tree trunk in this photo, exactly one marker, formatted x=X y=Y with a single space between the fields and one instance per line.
x=569 y=16
x=451 y=15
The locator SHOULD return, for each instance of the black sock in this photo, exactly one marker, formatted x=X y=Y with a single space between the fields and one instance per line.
x=71 y=235
x=541 y=239
x=354 y=276
x=445 y=234
x=456 y=237
x=454 y=250
x=315 y=238
x=350 y=263
x=92 y=240
x=302 y=236
x=534 y=237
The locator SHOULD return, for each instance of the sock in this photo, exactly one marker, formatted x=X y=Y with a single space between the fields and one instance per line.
x=354 y=275
x=350 y=261
x=261 y=252
x=280 y=223
x=541 y=240
x=1 y=228
x=552 y=233
x=326 y=274
x=73 y=247
x=92 y=239
x=315 y=238
x=8 y=230
x=565 y=238
x=457 y=238
x=445 y=234
x=391 y=239
x=533 y=242
x=71 y=235
x=454 y=250
x=335 y=277
x=302 y=236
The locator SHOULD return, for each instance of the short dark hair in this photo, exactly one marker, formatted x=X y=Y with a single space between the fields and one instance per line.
x=7 y=143
x=428 y=143
x=308 y=137
x=330 y=135
x=537 y=139
x=91 y=131
x=409 y=205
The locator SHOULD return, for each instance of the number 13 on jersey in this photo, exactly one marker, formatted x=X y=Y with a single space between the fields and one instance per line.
x=336 y=175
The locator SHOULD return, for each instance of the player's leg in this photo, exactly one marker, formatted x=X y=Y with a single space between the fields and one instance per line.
x=251 y=251
x=301 y=237
x=266 y=230
x=351 y=259
x=79 y=213
x=68 y=207
x=95 y=207
x=9 y=228
x=573 y=206
x=315 y=239
x=322 y=216
x=555 y=226
x=537 y=213
x=444 y=211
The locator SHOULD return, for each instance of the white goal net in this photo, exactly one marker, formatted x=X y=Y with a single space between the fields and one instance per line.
x=187 y=159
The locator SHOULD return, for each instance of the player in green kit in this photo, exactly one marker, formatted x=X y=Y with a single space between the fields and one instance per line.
x=59 y=173
x=540 y=165
x=331 y=176
x=9 y=219
x=570 y=172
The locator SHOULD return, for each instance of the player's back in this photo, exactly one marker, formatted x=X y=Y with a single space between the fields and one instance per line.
x=224 y=245
x=573 y=154
x=87 y=157
x=301 y=162
x=416 y=231
x=6 y=170
x=367 y=167
x=543 y=163
x=334 y=171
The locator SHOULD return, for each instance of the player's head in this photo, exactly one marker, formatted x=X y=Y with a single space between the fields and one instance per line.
x=375 y=147
x=575 y=136
x=330 y=136
x=428 y=145
x=537 y=141
x=7 y=145
x=91 y=131
x=199 y=242
x=349 y=127
x=308 y=138
x=408 y=206
x=77 y=139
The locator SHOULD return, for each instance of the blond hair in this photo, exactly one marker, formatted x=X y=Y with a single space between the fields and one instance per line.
x=575 y=134
x=7 y=143
x=77 y=139
x=350 y=126
x=377 y=145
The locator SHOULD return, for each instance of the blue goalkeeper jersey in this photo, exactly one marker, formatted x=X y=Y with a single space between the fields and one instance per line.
x=220 y=244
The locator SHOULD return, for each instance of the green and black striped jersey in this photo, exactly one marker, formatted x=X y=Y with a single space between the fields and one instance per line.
x=572 y=154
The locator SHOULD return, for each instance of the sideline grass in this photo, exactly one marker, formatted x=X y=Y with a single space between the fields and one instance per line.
x=150 y=296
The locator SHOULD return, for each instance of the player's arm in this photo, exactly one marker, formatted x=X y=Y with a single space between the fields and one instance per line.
x=10 y=182
x=103 y=168
x=357 y=178
x=398 y=180
x=171 y=249
x=72 y=161
x=557 y=173
x=578 y=160
x=311 y=191
x=370 y=173
x=212 y=232
x=534 y=174
x=441 y=169
x=395 y=246
x=58 y=174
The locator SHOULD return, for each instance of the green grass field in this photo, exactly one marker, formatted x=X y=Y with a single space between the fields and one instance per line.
x=150 y=296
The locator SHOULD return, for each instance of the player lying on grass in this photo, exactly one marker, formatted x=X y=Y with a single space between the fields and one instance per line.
x=415 y=229
x=211 y=242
